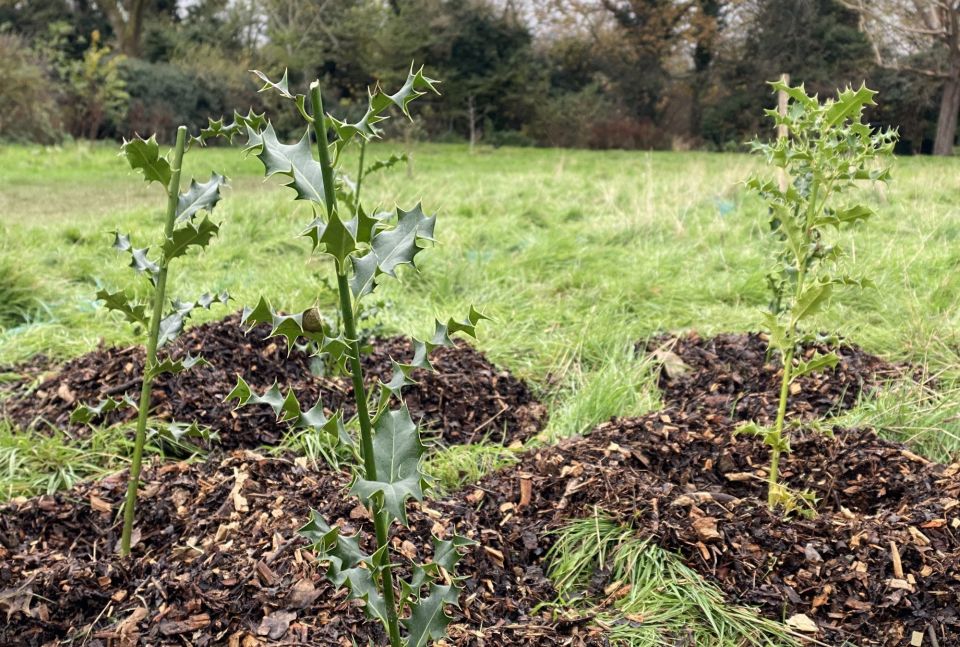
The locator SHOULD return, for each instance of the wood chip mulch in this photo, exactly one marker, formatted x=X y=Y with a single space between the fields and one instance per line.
x=731 y=375
x=465 y=400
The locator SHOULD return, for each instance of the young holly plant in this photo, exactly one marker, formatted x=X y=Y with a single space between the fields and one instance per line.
x=382 y=438
x=827 y=151
x=183 y=230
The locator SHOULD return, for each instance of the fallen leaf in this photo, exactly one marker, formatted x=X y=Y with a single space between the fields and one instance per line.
x=273 y=626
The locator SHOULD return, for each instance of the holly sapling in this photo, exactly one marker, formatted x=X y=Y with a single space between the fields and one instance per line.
x=183 y=230
x=365 y=249
x=827 y=150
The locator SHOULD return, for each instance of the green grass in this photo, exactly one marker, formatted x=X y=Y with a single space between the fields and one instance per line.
x=653 y=598
x=577 y=255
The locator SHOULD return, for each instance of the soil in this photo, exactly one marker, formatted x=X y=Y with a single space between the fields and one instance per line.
x=730 y=376
x=465 y=400
x=219 y=562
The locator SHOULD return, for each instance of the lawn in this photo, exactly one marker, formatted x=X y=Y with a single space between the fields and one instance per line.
x=577 y=256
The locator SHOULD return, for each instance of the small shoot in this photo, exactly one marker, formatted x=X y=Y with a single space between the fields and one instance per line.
x=185 y=229
x=827 y=150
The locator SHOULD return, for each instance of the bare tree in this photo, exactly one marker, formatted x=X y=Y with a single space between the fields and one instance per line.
x=902 y=29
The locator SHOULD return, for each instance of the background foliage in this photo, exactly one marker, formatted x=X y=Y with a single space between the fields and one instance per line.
x=583 y=73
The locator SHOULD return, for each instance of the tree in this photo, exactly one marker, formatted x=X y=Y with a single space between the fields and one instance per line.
x=921 y=37
x=127 y=18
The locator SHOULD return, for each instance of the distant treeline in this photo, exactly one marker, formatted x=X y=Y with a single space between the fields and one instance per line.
x=581 y=73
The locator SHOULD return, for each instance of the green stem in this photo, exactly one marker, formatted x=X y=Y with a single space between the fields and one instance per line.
x=159 y=297
x=363 y=151
x=774 y=477
x=380 y=519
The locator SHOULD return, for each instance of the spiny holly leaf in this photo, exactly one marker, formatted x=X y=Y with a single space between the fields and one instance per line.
x=428 y=619
x=84 y=413
x=345 y=557
x=178 y=435
x=289 y=327
x=217 y=128
x=141 y=264
x=293 y=160
x=446 y=553
x=384 y=164
x=175 y=367
x=849 y=105
x=172 y=325
x=200 y=197
x=144 y=155
x=333 y=237
x=133 y=311
x=282 y=86
x=121 y=242
x=399 y=245
x=397 y=450
x=416 y=85
x=288 y=409
x=816 y=363
x=191 y=234
x=364 y=274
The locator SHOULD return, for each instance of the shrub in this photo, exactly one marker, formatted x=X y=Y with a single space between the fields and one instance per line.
x=28 y=110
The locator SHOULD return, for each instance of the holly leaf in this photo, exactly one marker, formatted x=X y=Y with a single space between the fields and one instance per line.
x=293 y=160
x=816 y=363
x=175 y=367
x=133 y=311
x=85 y=414
x=397 y=451
x=399 y=245
x=218 y=128
x=190 y=235
x=200 y=197
x=428 y=619
x=289 y=327
x=144 y=155
x=344 y=557
x=416 y=85
x=141 y=264
x=365 y=270
x=282 y=86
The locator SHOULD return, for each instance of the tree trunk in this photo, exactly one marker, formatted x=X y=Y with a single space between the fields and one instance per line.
x=949 y=113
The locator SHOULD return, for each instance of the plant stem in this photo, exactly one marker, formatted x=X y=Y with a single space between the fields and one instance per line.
x=380 y=519
x=774 y=477
x=159 y=297
x=363 y=152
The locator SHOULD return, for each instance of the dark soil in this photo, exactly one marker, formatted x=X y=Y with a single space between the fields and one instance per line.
x=730 y=376
x=699 y=491
x=879 y=561
x=466 y=399
x=219 y=563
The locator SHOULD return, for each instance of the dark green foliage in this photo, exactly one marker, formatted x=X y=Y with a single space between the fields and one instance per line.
x=381 y=438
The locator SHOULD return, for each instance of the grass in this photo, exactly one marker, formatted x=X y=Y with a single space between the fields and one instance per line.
x=577 y=255
x=652 y=597
x=36 y=462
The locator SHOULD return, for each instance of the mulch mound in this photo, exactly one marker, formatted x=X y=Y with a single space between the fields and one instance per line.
x=731 y=376
x=879 y=561
x=219 y=563
x=466 y=399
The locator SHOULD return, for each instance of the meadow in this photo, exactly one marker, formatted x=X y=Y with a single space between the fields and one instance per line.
x=585 y=253
x=578 y=257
